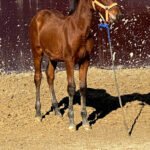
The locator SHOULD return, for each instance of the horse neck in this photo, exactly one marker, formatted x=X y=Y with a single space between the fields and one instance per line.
x=83 y=14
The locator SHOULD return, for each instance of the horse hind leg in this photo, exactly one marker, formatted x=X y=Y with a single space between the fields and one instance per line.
x=50 y=73
x=37 y=57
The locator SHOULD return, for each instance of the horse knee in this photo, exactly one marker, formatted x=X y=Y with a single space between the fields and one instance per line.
x=37 y=78
x=71 y=89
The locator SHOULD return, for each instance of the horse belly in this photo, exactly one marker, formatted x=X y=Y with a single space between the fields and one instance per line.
x=53 y=55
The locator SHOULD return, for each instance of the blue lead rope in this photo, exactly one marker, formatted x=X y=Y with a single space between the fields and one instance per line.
x=106 y=26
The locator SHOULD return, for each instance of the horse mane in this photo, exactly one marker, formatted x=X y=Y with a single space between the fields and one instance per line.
x=73 y=6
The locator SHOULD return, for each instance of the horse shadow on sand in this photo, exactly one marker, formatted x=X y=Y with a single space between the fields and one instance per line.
x=104 y=103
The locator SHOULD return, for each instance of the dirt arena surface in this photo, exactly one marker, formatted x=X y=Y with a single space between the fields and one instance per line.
x=20 y=130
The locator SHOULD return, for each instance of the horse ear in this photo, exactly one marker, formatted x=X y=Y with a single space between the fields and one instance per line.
x=73 y=5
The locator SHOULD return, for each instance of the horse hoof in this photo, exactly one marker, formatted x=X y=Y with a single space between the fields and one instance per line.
x=72 y=128
x=38 y=119
x=58 y=113
x=87 y=127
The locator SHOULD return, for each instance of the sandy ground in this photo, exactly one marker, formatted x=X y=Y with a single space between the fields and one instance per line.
x=19 y=130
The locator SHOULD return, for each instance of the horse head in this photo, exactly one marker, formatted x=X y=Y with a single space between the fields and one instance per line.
x=108 y=9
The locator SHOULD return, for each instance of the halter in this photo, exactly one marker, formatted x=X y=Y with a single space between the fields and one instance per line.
x=106 y=8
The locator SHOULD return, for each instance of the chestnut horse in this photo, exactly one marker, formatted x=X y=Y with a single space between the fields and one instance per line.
x=65 y=38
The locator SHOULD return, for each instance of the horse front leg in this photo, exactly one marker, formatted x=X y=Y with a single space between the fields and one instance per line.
x=83 y=68
x=50 y=73
x=71 y=92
